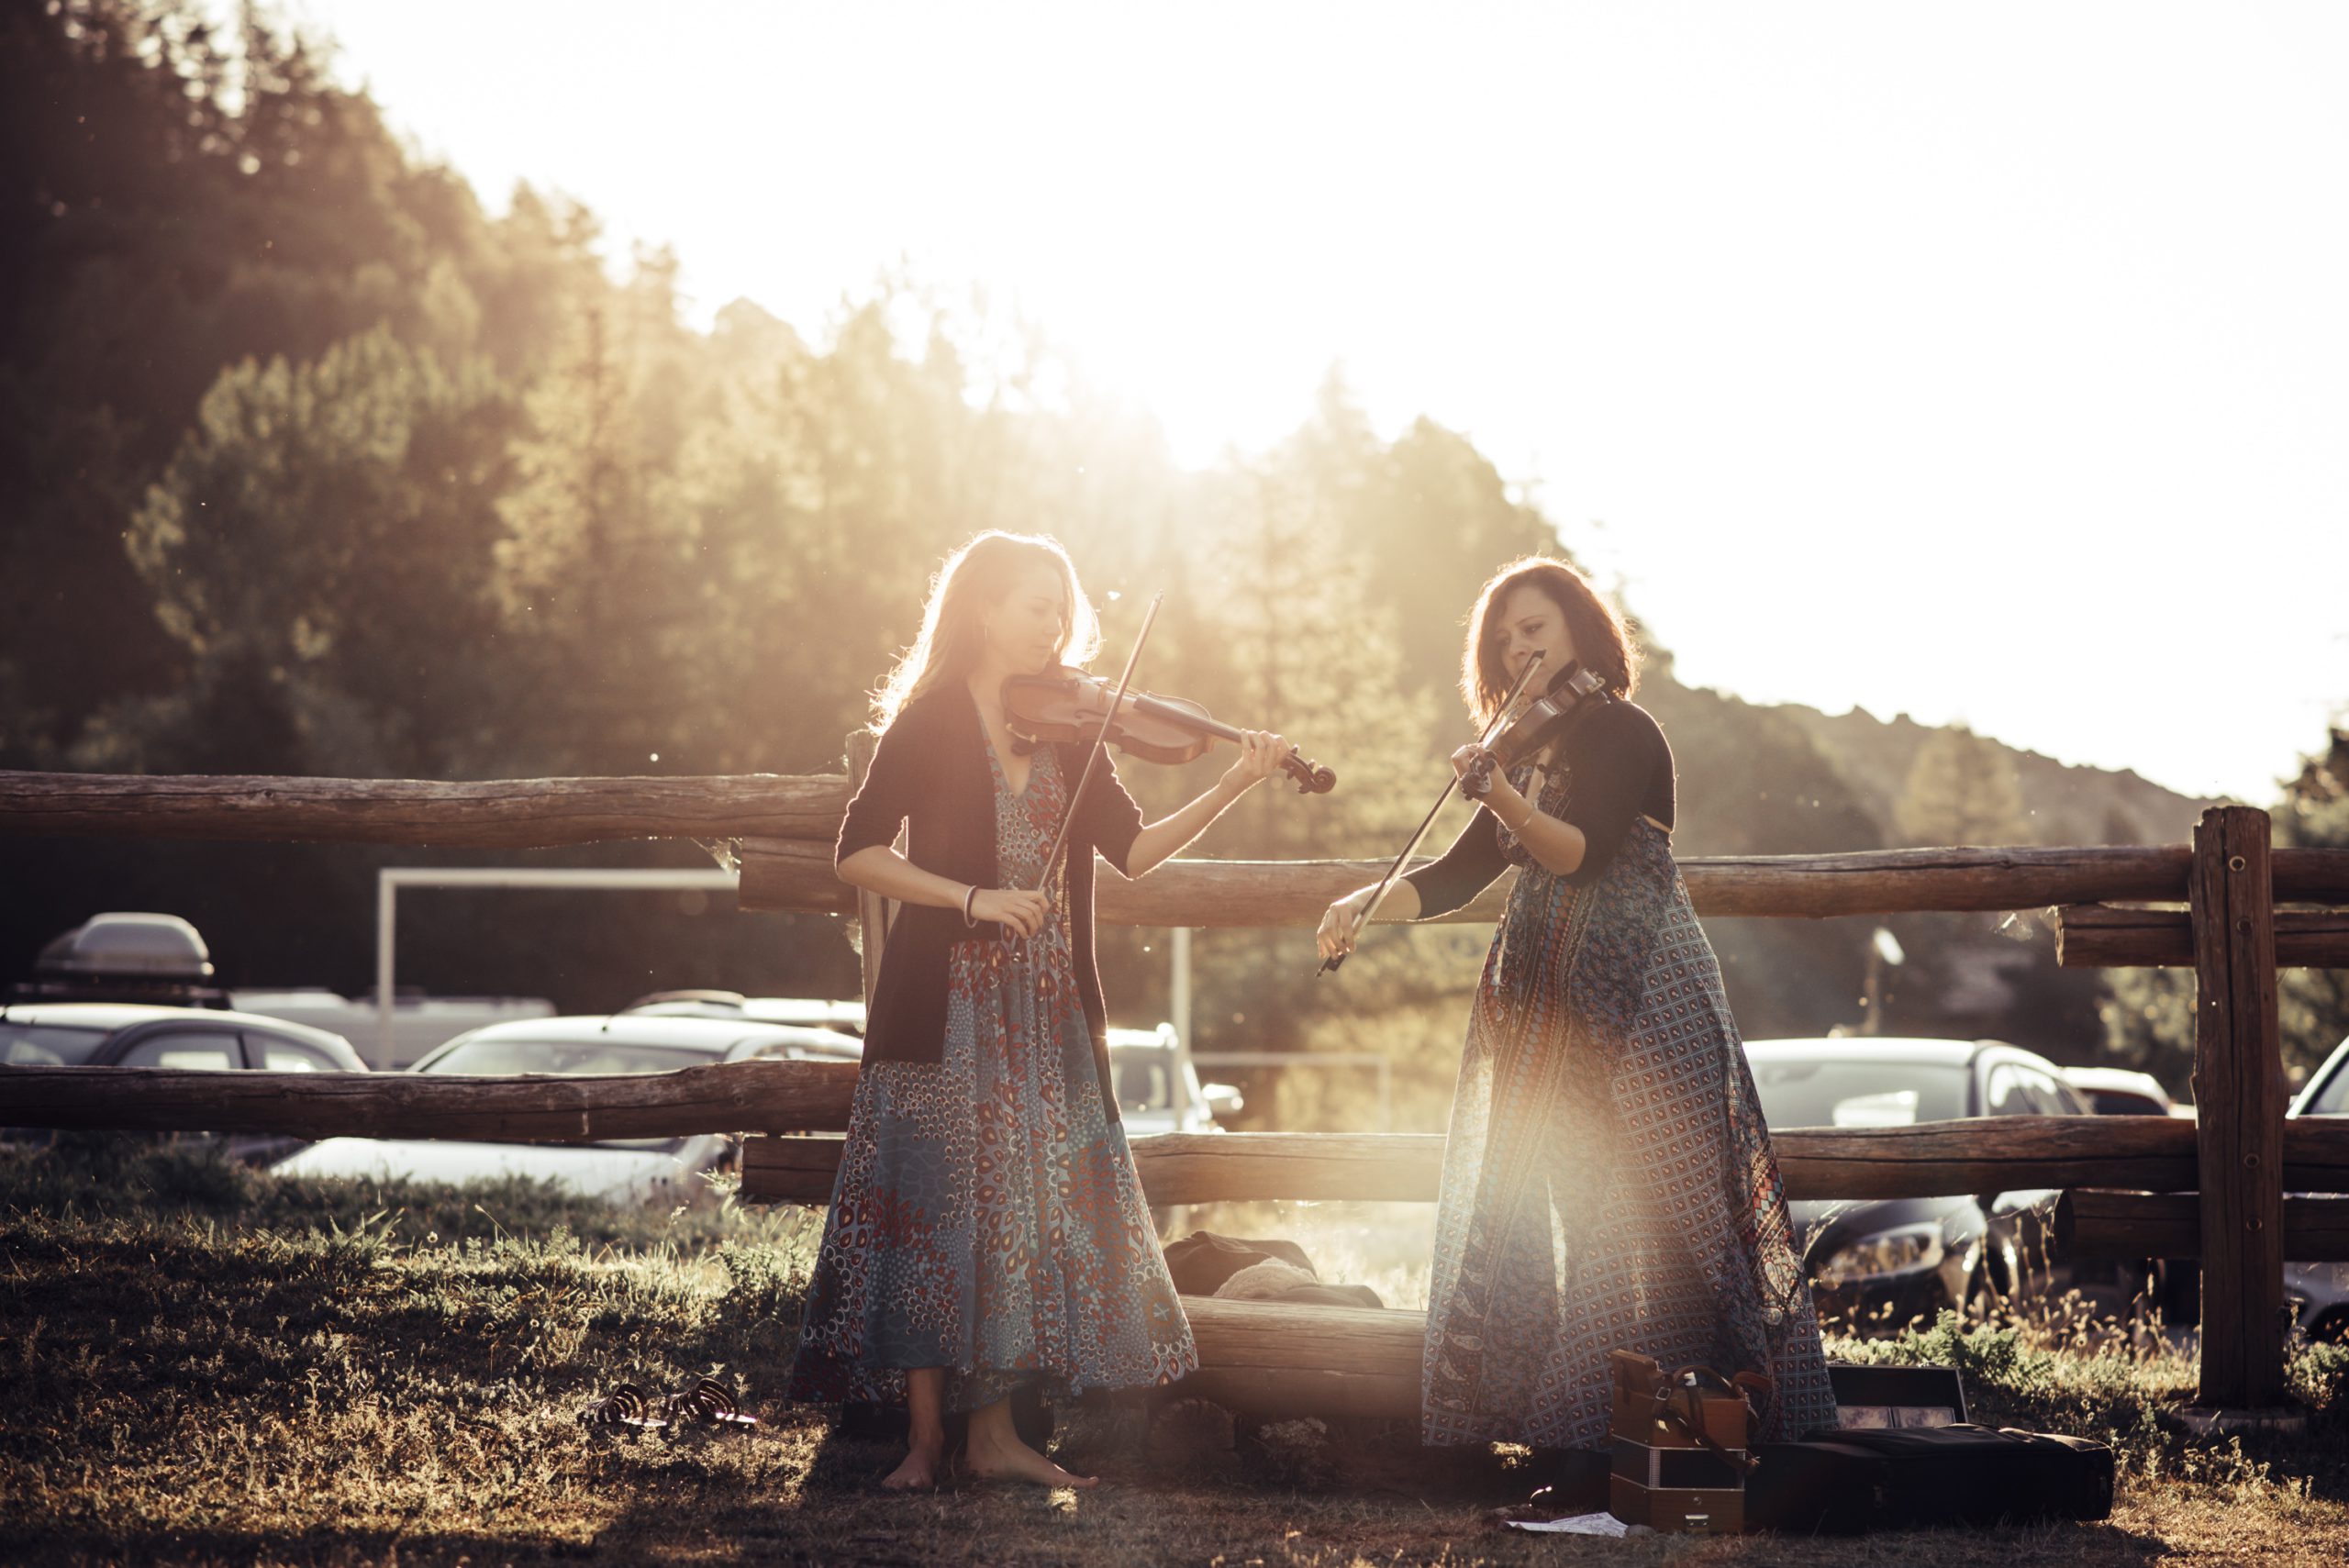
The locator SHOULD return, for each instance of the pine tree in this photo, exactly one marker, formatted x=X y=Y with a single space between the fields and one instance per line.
x=1962 y=789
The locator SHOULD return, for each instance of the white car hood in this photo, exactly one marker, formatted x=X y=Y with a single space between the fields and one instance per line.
x=615 y=1176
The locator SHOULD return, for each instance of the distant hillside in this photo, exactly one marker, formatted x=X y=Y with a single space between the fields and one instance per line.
x=2066 y=803
x=1779 y=779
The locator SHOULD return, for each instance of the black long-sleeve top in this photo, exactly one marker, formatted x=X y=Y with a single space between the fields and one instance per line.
x=1621 y=769
x=930 y=771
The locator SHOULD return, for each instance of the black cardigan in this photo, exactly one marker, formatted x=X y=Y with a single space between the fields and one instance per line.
x=930 y=770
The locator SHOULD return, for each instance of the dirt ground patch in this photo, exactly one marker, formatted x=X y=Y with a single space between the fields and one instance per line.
x=207 y=1366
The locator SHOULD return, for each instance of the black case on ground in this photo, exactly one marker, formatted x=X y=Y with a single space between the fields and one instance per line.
x=1837 y=1480
x=1897 y=1395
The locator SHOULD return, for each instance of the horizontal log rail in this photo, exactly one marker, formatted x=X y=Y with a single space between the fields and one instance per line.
x=779 y=1096
x=2128 y=1226
x=1175 y=1167
x=1933 y=1159
x=789 y=1100
x=785 y=824
x=781 y=874
x=2098 y=935
x=499 y=814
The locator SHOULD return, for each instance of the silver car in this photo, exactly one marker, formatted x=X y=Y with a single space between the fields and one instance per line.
x=1158 y=1089
x=623 y=1170
x=2318 y=1293
x=139 y=1034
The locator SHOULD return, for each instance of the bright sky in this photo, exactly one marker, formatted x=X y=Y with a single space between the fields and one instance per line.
x=1982 y=362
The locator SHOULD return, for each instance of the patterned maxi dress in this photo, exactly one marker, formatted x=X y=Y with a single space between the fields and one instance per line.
x=987 y=1217
x=1609 y=1181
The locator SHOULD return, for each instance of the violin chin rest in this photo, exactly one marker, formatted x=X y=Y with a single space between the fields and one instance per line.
x=1021 y=745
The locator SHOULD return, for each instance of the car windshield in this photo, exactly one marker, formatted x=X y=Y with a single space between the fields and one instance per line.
x=2333 y=1099
x=497 y=1058
x=47 y=1045
x=1814 y=1092
x=1145 y=1077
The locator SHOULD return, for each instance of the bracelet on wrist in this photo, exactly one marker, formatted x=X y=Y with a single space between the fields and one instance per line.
x=970 y=896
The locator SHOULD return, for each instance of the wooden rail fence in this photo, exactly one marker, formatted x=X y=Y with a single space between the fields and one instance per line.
x=2213 y=1189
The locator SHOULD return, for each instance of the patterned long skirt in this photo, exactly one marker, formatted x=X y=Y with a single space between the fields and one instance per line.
x=1608 y=1184
x=987 y=1217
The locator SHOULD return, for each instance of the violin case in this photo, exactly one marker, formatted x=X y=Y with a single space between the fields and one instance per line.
x=1845 y=1480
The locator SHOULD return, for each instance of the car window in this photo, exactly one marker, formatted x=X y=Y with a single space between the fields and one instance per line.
x=202 y=1051
x=1143 y=1082
x=497 y=1058
x=2015 y=1088
x=2040 y=1093
x=275 y=1053
x=2333 y=1099
x=47 y=1045
x=1799 y=1093
x=845 y=1049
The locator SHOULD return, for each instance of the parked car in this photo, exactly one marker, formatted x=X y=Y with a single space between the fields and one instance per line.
x=639 y=1170
x=2120 y=1091
x=811 y=1012
x=2318 y=1293
x=126 y=956
x=1158 y=1090
x=133 y=1034
x=1894 y=1260
x=420 y=1023
x=1149 y=1065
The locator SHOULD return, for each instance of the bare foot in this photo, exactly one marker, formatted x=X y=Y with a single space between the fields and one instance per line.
x=993 y=1458
x=918 y=1471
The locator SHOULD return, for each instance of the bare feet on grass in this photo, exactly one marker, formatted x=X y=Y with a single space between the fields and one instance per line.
x=1001 y=1456
x=925 y=1462
x=920 y=1470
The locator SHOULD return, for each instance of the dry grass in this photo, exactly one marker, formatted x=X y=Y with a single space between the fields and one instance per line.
x=200 y=1366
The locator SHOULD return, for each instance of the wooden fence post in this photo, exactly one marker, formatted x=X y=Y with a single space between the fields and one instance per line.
x=2239 y=1099
x=873 y=912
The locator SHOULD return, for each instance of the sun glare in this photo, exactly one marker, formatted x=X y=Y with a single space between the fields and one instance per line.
x=1867 y=318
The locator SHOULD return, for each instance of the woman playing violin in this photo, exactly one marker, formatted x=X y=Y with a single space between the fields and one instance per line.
x=1609 y=1183
x=986 y=1230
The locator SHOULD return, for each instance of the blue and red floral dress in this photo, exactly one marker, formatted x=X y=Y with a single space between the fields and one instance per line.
x=986 y=1218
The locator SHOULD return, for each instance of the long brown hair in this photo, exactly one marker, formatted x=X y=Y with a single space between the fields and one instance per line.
x=1602 y=636
x=972 y=579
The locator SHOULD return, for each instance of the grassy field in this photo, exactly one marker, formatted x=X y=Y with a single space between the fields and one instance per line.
x=200 y=1364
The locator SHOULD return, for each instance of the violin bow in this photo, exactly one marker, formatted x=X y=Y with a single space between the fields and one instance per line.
x=1101 y=739
x=1387 y=882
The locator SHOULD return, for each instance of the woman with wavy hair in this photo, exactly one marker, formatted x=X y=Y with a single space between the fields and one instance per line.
x=986 y=1230
x=1609 y=1183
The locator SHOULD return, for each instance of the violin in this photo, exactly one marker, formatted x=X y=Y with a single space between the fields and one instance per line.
x=1576 y=691
x=1070 y=706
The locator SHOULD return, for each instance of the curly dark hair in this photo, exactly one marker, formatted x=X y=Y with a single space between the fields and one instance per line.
x=1602 y=635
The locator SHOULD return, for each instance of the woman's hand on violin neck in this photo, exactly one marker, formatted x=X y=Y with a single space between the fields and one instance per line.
x=1022 y=909
x=1478 y=770
x=1261 y=752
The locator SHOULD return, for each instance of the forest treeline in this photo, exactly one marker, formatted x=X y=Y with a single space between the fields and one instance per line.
x=312 y=464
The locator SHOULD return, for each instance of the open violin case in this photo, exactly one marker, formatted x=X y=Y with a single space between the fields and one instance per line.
x=1904 y=1455
x=1892 y=1478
